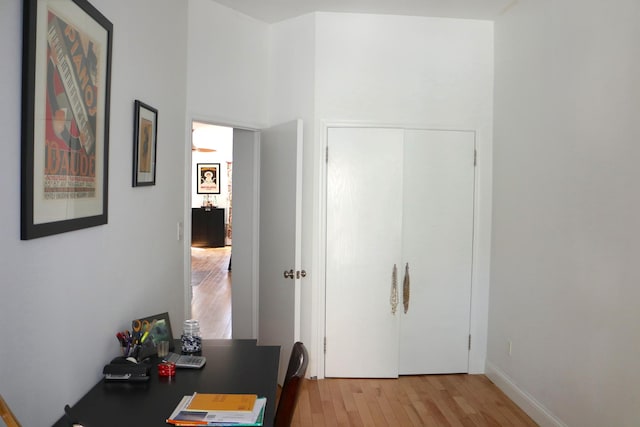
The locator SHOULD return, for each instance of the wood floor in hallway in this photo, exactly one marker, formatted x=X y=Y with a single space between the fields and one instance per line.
x=211 y=282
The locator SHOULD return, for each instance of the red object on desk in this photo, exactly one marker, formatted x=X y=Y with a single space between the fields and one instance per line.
x=166 y=369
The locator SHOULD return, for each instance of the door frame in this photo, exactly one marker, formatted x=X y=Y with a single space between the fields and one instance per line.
x=481 y=237
x=184 y=228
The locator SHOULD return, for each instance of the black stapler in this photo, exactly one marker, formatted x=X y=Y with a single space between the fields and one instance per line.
x=126 y=369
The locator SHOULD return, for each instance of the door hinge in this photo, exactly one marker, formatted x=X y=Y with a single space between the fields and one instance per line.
x=325 y=345
x=326 y=154
x=469 y=341
x=475 y=157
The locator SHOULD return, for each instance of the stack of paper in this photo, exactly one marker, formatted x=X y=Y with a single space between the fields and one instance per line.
x=206 y=409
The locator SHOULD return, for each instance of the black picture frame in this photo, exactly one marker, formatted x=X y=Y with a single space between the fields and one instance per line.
x=145 y=144
x=161 y=330
x=66 y=68
x=208 y=178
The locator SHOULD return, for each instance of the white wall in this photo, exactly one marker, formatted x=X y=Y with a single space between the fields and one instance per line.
x=228 y=85
x=564 y=275
x=227 y=66
x=410 y=71
x=64 y=297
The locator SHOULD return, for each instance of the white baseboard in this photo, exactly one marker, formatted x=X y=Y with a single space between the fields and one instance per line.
x=524 y=400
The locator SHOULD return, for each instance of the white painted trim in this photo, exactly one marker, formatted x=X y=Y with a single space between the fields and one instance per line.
x=227 y=122
x=188 y=291
x=477 y=322
x=256 y=236
x=321 y=236
x=186 y=223
x=297 y=282
x=524 y=400
x=388 y=125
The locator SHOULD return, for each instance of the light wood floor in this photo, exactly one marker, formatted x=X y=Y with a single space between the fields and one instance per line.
x=211 y=281
x=424 y=400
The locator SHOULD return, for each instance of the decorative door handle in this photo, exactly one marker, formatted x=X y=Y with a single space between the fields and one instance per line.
x=406 y=289
x=394 y=290
x=302 y=273
x=288 y=274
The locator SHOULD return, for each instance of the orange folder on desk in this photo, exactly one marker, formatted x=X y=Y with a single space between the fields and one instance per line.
x=222 y=402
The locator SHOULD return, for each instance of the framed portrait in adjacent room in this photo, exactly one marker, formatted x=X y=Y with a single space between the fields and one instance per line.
x=208 y=178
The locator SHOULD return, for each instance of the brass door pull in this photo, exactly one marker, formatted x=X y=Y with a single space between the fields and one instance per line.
x=406 y=289
x=393 y=300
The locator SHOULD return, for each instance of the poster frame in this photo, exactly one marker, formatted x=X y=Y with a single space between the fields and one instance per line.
x=145 y=144
x=65 y=120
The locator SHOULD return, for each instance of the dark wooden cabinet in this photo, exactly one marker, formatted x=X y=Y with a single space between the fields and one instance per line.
x=207 y=227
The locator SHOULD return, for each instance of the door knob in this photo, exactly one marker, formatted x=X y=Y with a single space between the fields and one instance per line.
x=288 y=274
x=302 y=273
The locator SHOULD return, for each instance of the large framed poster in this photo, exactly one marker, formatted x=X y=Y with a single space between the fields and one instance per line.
x=65 y=117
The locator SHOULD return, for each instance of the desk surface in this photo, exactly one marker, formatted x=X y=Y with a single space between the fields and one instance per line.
x=232 y=367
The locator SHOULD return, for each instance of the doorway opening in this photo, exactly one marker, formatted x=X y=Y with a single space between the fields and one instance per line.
x=211 y=240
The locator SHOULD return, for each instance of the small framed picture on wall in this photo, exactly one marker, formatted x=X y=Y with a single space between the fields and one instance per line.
x=145 y=138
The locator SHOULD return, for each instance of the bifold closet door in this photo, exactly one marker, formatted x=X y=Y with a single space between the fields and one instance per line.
x=398 y=199
x=437 y=246
x=364 y=232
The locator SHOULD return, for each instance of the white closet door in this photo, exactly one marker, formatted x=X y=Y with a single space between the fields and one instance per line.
x=437 y=245
x=364 y=231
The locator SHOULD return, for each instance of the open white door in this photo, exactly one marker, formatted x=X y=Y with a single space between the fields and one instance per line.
x=280 y=240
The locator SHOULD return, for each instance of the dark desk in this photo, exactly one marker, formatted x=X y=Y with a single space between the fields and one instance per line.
x=232 y=367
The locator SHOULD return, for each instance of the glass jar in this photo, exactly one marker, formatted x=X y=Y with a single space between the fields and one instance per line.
x=191 y=340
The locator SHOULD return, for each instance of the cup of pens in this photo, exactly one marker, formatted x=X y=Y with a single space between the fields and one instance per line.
x=136 y=345
x=139 y=342
x=124 y=338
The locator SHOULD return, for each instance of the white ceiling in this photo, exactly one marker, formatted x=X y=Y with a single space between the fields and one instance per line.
x=271 y=11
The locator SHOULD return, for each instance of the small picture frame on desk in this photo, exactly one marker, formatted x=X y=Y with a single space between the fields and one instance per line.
x=161 y=330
